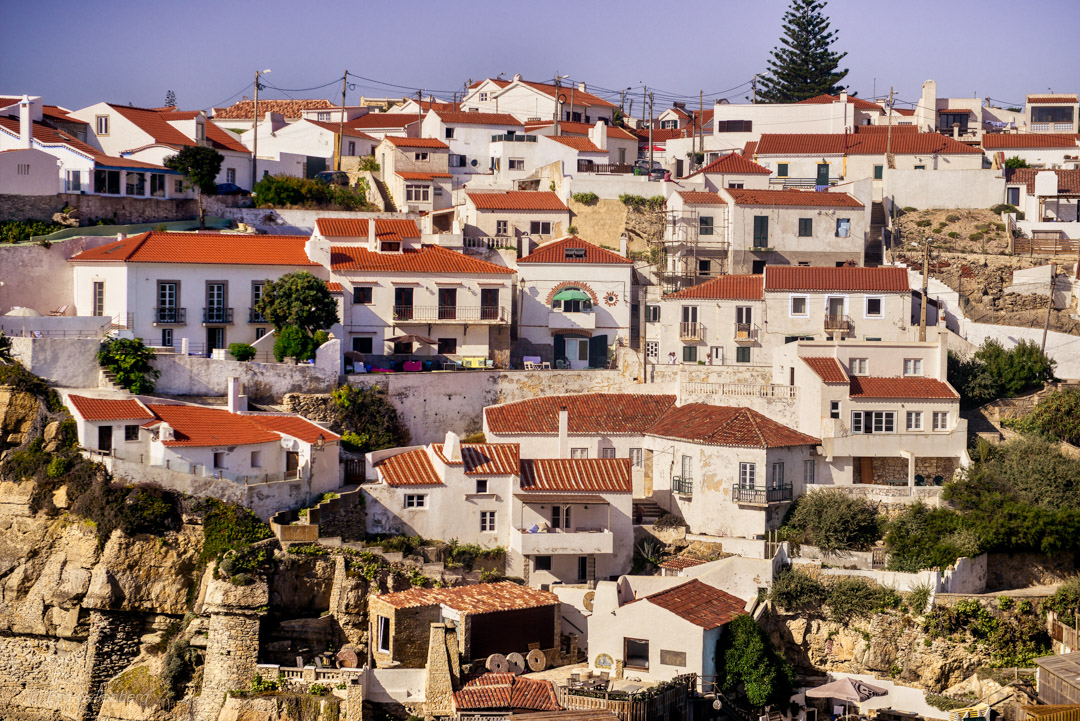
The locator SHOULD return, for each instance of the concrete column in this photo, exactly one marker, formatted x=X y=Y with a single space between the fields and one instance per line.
x=910 y=467
x=184 y=345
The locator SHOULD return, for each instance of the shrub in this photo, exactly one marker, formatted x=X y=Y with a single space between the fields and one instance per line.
x=641 y=203
x=918 y=597
x=368 y=163
x=923 y=223
x=58 y=466
x=747 y=659
x=851 y=597
x=129 y=361
x=310 y=549
x=586 y=198
x=1065 y=601
x=291 y=342
x=916 y=538
x=954 y=235
x=572 y=230
x=275 y=191
x=795 y=590
x=1015 y=162
x=242 y=351
x=1000 y=227
x=1057 y=416
x=834 y=521
x=994 y=372
x=353 y=442
x=318 y=689
x=975 y=236
x=910 y=209
x=15 y=231
x=227 y=526
x=1007 y=208
x=369 y=414
x=951 y=218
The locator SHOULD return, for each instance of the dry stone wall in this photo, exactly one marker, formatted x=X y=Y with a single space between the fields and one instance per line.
x=95 y=207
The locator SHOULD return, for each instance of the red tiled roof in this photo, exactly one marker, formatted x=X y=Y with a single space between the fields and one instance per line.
x=199 y=426
x=580 y=97
x=476 y=118
x=428 y=259
x=474 y=599
x=589 y=413
x=506 y=691
x=292 y=426
x=290 y=109
x=482 y=459
x=421 y=176
x=868 y=280
x=791 y=197
x=518 y=200
x=701 y=197
x=897 y=387
x=410 y=468
x=389 y=228
x=153 y=124
x=1005 y=141
x=380 y=121
x=749 y=149
x=109 y=409
x=494 y=81
x=555 y=252
x=726 y=426
x=56 y=113
x=223 y=139
x=570 y=128
x=586 y=475
x=859 y=103
x=1068 y=180
x=582 y=145
x=877 y=129
x=400 y=142
x=725 y=287
x=860 y=144
x=828 y=369
x=699 y=603
x=335 y=287
x=905 y=111
x=1052 y=100
x=734 y=164
x=202 y=248
x=47 y=135
x=678 y=563
x=660 y=135
x=957 y=111
x=348 y=132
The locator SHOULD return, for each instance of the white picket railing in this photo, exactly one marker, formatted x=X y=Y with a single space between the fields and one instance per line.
x=753 y=390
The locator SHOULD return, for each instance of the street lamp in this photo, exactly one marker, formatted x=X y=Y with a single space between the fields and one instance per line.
x=255 y=128
x=558 y=101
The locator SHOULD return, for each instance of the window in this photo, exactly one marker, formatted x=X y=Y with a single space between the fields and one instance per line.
x=98 y=300
x=542 y=563
x=734 y=126
x=914 y=421
x=135 y=183
x=540 y=227
x=913 y=366
x=131 y=433
x=873 y=308
x=483 y=97
x=166 y=338
x=323 y=117
x=230 y=175
x=219 y=459
x=447 y=346
x=704 y=267
x=652 y=314
x=415 y=500
x=383 y=625
x=879 y=172
x=23 y=169
x=1012 y=196
x=73 y=181
x=579 y=452
x=560 y=517
x=806 y=227
x=857 y=366
x=420 y=156
x=747 y=474
x=809 y=470
x=456 y=161
x=689 y=354
x=607 y=452
x=361 y=345
x=101 y=124
x=417 y=193
x=362 y=295
x=941 y=420
x=352 y=148
x=873 y=422
x=449 y=133
x=107 y=182
x=516 y=164
x=799 y=306
x=636 y=654
x=761 y=231
x=884 y=422
x=705 y=225
x=487 y=521
x=834 y=409
x=583 y=568
x=167 y=294
x=652 y=349
x=757 y=267
x=782 y=170
x=157 y=185
x=742 y=354
x=481 y=485
x=259 y=333
x=843 y=227
x=736 y=186
x=178 y=186
x=777 y=477
x=256 y=459
x=920 y=167
x=636 y=458
x=502 y=227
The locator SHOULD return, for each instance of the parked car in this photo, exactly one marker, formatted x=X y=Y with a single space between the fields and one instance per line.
x=231 y=189
x=641 y=167
x=333 y=177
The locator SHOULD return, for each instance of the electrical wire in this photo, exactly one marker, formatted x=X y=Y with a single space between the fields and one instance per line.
x=222 y=103
x=301 y=90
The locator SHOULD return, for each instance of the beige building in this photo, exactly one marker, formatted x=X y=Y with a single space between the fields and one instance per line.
x=416 y=171
x=517 y=218
x=1051 y=113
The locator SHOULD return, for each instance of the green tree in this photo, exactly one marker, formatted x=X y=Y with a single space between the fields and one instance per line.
x=200 y=167
x=1057 y=415
x=1016 y=162
x=833 y=521
x=291 y=342
x=805 y=66
x=369 y=414
x=129 y=361
x=298 y=299
x=170 y=99
x=748 y=661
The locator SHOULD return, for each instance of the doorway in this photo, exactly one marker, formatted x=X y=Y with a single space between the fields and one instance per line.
x=104 y=436
x=822 y=174
x=292 y=462
x=836 y=308
x=215 y=338
x=577 y=352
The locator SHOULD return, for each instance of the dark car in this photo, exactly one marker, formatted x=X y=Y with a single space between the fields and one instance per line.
x=641 y=167
x=231 y=189
x=333 y=177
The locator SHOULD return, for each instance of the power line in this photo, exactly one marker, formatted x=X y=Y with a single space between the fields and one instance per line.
x=222 y=103
x=301 y=90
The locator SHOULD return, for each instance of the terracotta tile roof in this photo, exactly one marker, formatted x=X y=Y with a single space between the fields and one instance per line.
x=878 y=129
x=153 y=124
x=409 y=468
x=476 y=599
x=660 y=135
x=476 y=118
x=1005 y=141
x=589 y=413
x=733 y=164
x=795 y=198
x=109 y=409
x=570 y=128
x=50 y=136
x=860 y=144
x=348 y=132
x=483 y=459
x=389 y=228
x=404 y=175
x=828 y=369
x=586 y=475
x=400 y=142
x=749 y=149
x=533 y=694
x=897 y=387
x=868 y=280
x=223 y=139
x=555 y=252
x=1052 y=100
x=518 y=200
x=1068 y=180
x=678 y=563
x=957 y=111
x=859 y=103
x=701 y=197
x=494 y=81
x=428 y=259
x=335 y=287
x=725 y=287
x=381 y=121
x=699 y=603
x=905 y=111
x=292 y=426
x=291 y=109
x=726 y=426
x=199 y=426
x=56 y=113
x=202 y=249
x=581 y=97
x=506 y=691
x=582 y=145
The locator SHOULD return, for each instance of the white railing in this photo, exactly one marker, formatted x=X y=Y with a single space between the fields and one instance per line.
x=752 y=390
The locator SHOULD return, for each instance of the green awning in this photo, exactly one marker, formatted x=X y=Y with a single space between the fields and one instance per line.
x=572 y=294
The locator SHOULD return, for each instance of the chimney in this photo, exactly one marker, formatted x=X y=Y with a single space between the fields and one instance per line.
x=517 y=76
x=843 y=96
x=598 y=135
x=373 y=244
x=564 y=433
x=26 y=124
x=623 y=245
x=237 y=402
x=581 y=87
x=165 y=432
x=121 y=236
x=926 y=111
x=452 y=447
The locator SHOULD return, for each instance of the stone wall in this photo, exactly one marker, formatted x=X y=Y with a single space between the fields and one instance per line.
x=40 y=278
x=262 y=382
x=93 y=207
x=113 y=644
x=1018 y=570
x=48 y=676
x=409 y=634
x=601 y=223
x=232 y=652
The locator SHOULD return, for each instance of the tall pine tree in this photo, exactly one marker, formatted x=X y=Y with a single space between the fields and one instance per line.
x=804 y=67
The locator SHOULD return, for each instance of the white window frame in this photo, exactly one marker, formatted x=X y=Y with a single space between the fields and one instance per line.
x=884 y=421
x=417 y=193
x=515 y=163
x=415 y=500
x=747 y=474
x=809 y=471
x=101 y=125
x=579 y=452
x=487 y=521
x=543 y=227
x=806 y=306
x=608 y=452
x=230 y=175
x=637 y=458
x=940 y=421
x=913 y=366
x=652 y=349
x=834 y=409
x=914 y=421
x=866 y=306
x=776 y=474
x=382 y=630
x=859 y=366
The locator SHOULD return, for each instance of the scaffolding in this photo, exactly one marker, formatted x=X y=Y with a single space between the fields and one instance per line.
x=691 y=252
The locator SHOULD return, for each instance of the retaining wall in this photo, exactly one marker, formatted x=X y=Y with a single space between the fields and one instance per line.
x=40 y=278
x=66 y=362
x=92 y=207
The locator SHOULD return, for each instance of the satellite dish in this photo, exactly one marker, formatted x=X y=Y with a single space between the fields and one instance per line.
x=516 y=662
x=496 y=663
x=588 y=599
x=537 y=660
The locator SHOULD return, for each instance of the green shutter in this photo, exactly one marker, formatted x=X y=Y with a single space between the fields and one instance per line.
x=879 y=172
x=761 y=231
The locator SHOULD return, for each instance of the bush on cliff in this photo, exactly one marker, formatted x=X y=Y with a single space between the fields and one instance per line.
x=228 y=527
x=748 y=660
x=369 y=414
x=128 y=359
x=833 y=521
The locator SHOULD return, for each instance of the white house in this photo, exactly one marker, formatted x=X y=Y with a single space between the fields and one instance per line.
x=416 y=171
x=28 y=171
x=241 y=114
x=527 y=101
x=575 y=302
x=379 y=125
x=308 y=139
x=201 y=288
x=514 y=215
x=469 y=136
x=1045 y=196
x=732 y=170
x=1038 y=150
x=622 y=145
x=1051 y=113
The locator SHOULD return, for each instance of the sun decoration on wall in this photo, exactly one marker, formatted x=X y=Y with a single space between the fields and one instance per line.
x=611 y=298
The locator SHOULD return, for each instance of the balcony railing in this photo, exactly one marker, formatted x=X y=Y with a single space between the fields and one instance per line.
x=489 y=242
x=217 y=314
x=691 y=331
x=841 y=323
x=745 y=332
x=683 y=485
x=745 y=390
x=1051 y=127
x=449 y=313
x=800 y=182
x=587 y=166
x=255 y=316
x=760 y=496
x=170 y=315
x=513 y=138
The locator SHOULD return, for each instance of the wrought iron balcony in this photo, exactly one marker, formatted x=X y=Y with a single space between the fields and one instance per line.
x=745 y=332
x=170 y=315
x=217 y=315
x=255 y=316
x=755 y=496
x=683 y=485
x=841 y=323
x=450 y=314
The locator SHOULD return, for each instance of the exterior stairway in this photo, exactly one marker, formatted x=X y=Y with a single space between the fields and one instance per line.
x=646 y=510
x=875 y=253
x=387 y=199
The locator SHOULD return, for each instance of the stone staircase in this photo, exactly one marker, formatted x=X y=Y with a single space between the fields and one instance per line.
x=388 y=200
x=107 y=381
x=875 y=252
x=646 y=510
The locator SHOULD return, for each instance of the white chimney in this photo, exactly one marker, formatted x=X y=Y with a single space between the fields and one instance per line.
x=121 y=236
x=452 y=447
x=517 y=76
x=564 y=433
x=372 y=243
x=26 y=124
x=623 y=245
x=581 y=87
x=843 y=96
x=165 y=432
x=926 y=111
x=1046 y=183
x=598 y=135
x=237 y=402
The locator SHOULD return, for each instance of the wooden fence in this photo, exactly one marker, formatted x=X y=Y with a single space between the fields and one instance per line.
x=1045 y=246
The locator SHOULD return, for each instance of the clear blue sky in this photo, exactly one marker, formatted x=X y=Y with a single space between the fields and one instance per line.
x=78 y=53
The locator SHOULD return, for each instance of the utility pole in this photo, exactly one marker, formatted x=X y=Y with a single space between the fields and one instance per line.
x=925 y=274
x=255 y=130
x=701 y=123
x=570 y=113
x=644 y=93
x=650 y=133
x=890 y=161
x=341 y=121
x=1049 y=304
x=630 y=113
x=753 y=87
x=622 y=101
x=419 y=110
x=556 y=103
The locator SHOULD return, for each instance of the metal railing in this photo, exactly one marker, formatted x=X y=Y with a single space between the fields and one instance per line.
x=691 y=331
x=841 y=323
x=800 y=182
x=750 y=390
x=1051 y=127
x=683 y=485
x=217 y=314
x=513 y=138
x=123 y=321
x=587 y=166
x=255 y=316
x=745 y=332
x=170 y=315
x=455 y=313
x=760 y=496
x=490 y=242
